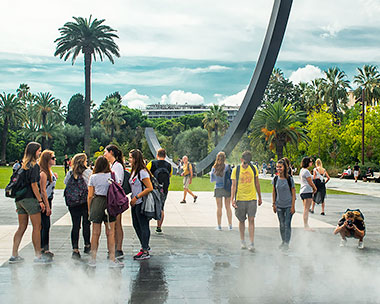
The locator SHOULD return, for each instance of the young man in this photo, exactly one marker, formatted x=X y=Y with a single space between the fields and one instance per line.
x=66 y=164
x=162 y=171
x=245 y=184
x=187 y=179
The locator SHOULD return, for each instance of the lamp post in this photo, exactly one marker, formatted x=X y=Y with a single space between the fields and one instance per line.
x=363 y=109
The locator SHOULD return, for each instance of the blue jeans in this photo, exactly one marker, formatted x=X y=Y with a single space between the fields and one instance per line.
x=285 y=219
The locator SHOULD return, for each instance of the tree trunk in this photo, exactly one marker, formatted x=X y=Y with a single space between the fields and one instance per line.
x=112 y=133
x=280 y=144
x=87 y=103
x=43 y=144
x=216 y=136
x=4 y=138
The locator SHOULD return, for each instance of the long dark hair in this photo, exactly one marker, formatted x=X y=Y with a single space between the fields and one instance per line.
x=117 y=153
x=305 y=162
x=283 y=162
x=45 y=157
x=30 y=159
x=138 y=162
x=102 y=165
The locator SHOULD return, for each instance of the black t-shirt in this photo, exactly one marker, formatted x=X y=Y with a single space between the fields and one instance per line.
x=161 y=164
x=66 y=162
x=358 y=223
x=32 y=175
x=356 y=168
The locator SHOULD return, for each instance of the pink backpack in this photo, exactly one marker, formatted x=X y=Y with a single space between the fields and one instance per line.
x=117 y=201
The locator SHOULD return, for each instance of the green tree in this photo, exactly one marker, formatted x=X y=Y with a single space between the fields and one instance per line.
x=12 y=111
x=111 y=115
x=368 y=78
x=277 y=125
x=335 y=90
x=192 y=143
x=75 y=110
x=170 y=127
x=90 y=38
x=215 y=121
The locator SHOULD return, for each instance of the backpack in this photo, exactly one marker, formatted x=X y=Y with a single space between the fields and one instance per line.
x=275 y=183
x=227 y=179
x=126 y=186
x=238 y=173
x=117 y=201
x=76 y=191
x=17 y=185
x=162 y=175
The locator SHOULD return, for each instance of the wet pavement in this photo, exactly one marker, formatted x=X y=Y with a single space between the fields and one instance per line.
x=194 y=263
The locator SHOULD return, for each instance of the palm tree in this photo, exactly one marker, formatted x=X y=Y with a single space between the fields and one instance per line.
x=335 y=89
x=47 y=110
x=368 y=78
x=90 y=38
x=215 y=120
x=111 y=115
x=12 y=111
x=277 y=125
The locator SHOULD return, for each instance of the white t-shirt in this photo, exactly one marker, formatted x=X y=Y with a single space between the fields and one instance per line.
x=305 y=187
x=118 y=169
x=135 y=183
x=100 y=182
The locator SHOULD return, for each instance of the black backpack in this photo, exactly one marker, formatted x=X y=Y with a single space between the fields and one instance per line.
x=126 y=186
x=17 y=186
x=227 y=179
x=238 y=174
x=161 y=174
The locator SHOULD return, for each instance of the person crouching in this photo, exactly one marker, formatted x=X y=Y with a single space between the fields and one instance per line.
x=351 y=225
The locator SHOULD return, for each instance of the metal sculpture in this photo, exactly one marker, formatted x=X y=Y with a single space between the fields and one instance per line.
x=264 y=67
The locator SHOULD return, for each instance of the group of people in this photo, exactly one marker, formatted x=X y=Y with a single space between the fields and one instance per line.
x=90 y=189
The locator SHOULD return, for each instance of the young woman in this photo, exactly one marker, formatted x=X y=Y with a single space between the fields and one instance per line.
x=79 y=213
x=30 y=205
x=97 y=204
x=48 y=180
x=320 y=177
x=283 y=198
x=218 y=172
x=141 y=186
x=307 y=190
x=115 y=157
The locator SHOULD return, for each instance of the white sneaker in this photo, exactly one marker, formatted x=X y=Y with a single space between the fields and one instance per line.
x=116 y=264
x=243 y=245
x=361 y=245
x=91 y=263
x=230 y=227
x=219 y=228
x=343 y=243
x=251 y=248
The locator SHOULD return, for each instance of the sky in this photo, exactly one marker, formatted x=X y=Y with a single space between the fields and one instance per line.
x=176 y=52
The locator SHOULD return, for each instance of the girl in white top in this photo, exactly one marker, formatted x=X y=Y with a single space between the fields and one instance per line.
x=115 y=157
x=307 y=190
x=47 y=184
x=321 y=178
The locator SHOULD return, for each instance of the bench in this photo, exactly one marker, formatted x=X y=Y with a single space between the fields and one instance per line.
x=375 y=177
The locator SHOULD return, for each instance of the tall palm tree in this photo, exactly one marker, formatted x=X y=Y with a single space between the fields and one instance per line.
x=47 y=110
x=111 y=115
x=368 y=78
x=277 y=125
x=335 y=89
x=12 y=111
x=90 y=38
x=215 y=120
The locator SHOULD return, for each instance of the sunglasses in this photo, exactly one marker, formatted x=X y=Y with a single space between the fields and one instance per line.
x=53 y=158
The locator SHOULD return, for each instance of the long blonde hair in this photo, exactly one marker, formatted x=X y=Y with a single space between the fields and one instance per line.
x=30 y=159
x=79 y=164
x=219 y=165
x=45 y=157
x=318 y=163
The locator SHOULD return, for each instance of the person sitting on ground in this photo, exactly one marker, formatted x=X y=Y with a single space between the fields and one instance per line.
x=351 y=225
x=369 y=173
x=346 y=173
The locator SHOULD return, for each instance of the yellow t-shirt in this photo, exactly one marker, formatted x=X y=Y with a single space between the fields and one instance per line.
x=246 y=187
x=186 y=169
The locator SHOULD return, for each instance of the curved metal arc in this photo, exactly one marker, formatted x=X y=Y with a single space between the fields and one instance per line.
x=264 y=67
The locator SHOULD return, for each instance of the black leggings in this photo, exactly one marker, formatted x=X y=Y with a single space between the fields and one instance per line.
x=141 y=225
x=77 y=213
x=45 y=229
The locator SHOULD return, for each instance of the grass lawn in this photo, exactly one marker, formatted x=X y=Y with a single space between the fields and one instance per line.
x=198 y=184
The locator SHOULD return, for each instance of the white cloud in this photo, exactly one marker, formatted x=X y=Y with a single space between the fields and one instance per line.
x=135 y=100
x=233 y=100
x=331 y=30
x=209 y=69
x=182 y=97
x=306 y=74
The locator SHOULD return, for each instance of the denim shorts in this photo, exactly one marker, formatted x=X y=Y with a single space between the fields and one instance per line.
x=306 y=195
x=28 y=206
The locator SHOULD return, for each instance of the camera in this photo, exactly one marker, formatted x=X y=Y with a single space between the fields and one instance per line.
x=350 y=223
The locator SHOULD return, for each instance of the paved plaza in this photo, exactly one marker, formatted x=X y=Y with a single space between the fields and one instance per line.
x=194 y=263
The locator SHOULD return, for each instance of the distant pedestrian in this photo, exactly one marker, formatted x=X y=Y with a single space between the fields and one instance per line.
x=272 y=165
x=115 y=157
x=48 y=179
x=283 y=198
x=244 y=191
x=221 y=175
x=307 y=190
x=66 y=164
x=187 y=179
x=29 y=205
x=356 y=172
x=162 y=171
x=264 y=168
x=76 y=182
x=320 y=178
